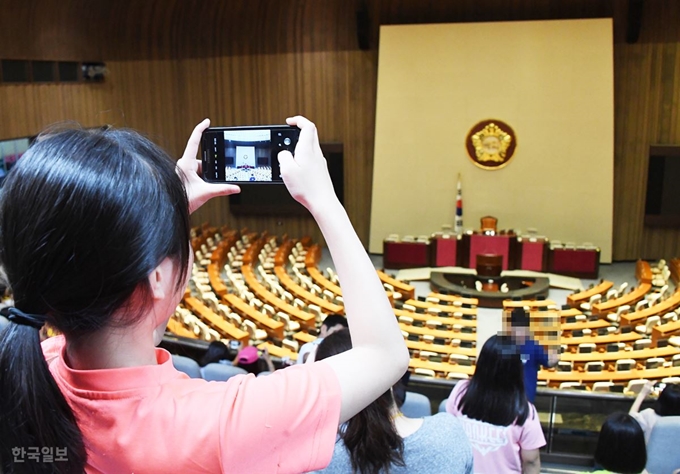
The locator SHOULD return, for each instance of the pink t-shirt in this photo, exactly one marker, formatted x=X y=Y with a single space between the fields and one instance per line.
x=495 y=448
x=156 y=419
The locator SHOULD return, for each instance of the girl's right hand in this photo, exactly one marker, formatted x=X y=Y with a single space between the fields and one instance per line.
x=306 y=174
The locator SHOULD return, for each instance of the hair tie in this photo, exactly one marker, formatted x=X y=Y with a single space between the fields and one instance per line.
x=17 y=316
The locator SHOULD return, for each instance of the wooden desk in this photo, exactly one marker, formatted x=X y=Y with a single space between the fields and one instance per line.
x=444 y=308
x=323 y=282
x=274 y=328
x=216 y=282
x=452 y=299
x=422 y=331
x=629 y=299
x=440 y=348
x=640 y=355
x=577 y=298
x=305 y=295
x=566 y=313
x=607 y=376
x=424 y=318
x=662 y=331
x=178 y=329
x=441 y=367
x=594 y=325
x=226 y=329
x=303 y=337
x=658 y=309
x=406 y=290
x=276 y=351
x=532 y=304
x=306 y=320
x=609 y=339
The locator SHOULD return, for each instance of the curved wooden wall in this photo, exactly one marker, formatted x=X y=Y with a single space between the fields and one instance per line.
x=174 y=62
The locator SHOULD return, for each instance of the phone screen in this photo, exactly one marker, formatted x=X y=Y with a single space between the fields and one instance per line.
x=246 y=154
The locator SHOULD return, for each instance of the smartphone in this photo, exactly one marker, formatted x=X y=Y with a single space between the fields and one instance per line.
x=246 y=155
x=234 y=345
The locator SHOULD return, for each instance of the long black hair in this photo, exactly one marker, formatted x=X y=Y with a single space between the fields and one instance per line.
x=495 y=393
x=621 y=445
x=85 y=217
x=668 y=403
x=370 y=437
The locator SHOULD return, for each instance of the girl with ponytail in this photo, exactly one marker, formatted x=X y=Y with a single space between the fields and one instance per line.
x=94 y=239
x=380 y=439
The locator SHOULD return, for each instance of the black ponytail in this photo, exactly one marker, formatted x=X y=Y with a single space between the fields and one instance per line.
x=371 y=439
x=85 y=217
x=33 y=411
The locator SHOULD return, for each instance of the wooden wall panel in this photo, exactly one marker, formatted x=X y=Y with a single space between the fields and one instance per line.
x=173 y=62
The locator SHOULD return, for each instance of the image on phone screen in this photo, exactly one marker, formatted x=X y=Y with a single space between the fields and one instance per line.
x=246 y=154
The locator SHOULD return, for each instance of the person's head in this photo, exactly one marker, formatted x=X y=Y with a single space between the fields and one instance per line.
x=519 y=325
x=621 y=445
x=216 y=352
x=496 y=393
x=94 y=236
x=249 y=359
x=668 y=403
x=370 y=437
x=332 y=323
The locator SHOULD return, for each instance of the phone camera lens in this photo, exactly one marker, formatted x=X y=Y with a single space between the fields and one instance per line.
x=286 y=141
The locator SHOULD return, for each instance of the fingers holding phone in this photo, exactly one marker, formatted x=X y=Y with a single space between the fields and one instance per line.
x=198 y=191
x=306 y=174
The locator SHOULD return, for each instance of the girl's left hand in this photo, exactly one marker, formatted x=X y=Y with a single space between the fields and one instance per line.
x=198 y=191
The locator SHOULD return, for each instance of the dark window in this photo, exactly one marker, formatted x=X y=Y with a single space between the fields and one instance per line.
x=14 y=70
x=68 y=71
x=43 y=71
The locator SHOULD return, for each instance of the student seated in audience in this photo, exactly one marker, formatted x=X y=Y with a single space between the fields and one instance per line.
x=668 y=404
x=621 y=446
x=502 y=425
x=94 y=237
x=381 y=439
x=332 y=323
x=533 y=355
x=247 y=358
x=217 y=352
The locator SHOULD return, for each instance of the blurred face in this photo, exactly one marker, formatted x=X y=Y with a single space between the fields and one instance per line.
x=520 y=333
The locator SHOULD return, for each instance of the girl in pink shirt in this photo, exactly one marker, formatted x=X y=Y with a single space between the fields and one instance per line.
x=502 y=426
x=94 y=238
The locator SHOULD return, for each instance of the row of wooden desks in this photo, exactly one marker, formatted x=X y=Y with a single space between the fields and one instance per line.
x=273 y=327
x=178 y=329
x=407 y=291
x=276 y=351
x=628 y=299
x=423 y=331
x=306 y=320
x=662 y=331
x=225 y=328
x=443 y=367
x=424 y=318
x=608 y=339
x=659 y=309
x=607 y=375
x=440 y=348
x=305 y=295
x=581 y=297
x=642 y=354
x=443 y=308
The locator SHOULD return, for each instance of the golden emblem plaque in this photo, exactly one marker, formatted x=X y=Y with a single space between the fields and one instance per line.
x=491 y=144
